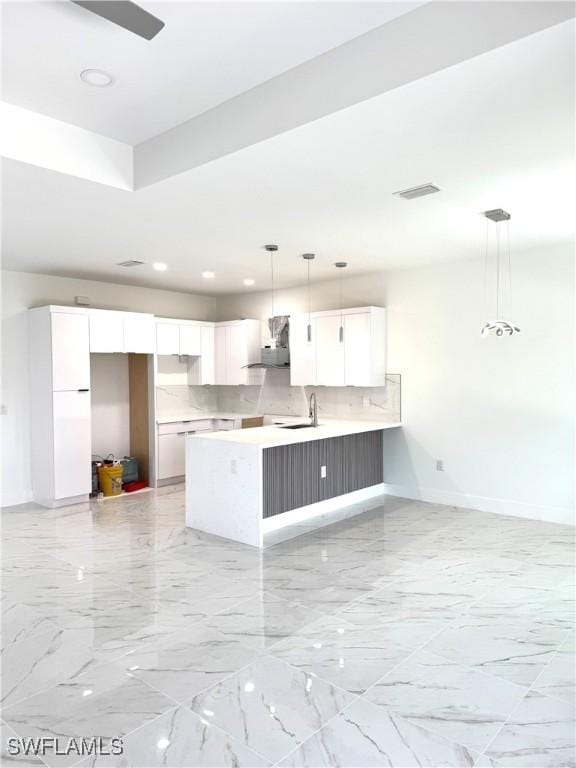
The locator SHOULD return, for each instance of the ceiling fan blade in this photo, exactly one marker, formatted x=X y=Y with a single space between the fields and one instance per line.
x=125 y=14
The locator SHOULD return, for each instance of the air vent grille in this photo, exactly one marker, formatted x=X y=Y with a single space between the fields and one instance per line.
x=413 y=192
x=130 y=263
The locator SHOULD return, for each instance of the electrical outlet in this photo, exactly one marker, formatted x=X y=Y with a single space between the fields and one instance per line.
x=440 y=465
x=233 y=467
x=3 y=410
x=365 y=401
x=323 y=472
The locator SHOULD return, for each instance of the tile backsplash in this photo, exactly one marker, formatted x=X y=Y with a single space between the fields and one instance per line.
x=276 y=396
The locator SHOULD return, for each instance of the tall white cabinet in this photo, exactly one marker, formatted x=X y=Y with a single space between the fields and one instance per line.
x=60 y=405
x=352 y=357
x=237 y=344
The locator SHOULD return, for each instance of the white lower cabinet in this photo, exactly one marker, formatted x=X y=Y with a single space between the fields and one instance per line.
x=172 y=442
x=72 y=443
x=171 y=455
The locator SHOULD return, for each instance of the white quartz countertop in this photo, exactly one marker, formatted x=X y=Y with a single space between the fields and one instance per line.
x=266 y=437
x=202 y=416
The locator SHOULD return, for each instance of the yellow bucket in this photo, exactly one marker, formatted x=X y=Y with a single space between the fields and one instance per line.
x=110 y=477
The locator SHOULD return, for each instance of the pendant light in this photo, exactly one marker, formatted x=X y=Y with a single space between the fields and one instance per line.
x=308 y=257
x=341 y=265
x=503 y=264
x=271 y=250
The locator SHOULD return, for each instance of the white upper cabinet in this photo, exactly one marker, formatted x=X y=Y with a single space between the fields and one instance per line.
x=220 y=354
x=106 y=330
x=70 y=351
x=356 y=358
x=237 y=344
x=112 y=331
x=329 y=351
x=236 y=355
x=139 y=333
x=207 y=361
x=358 y=350
x=302 y=351
x=190 y=340
x=167 y=338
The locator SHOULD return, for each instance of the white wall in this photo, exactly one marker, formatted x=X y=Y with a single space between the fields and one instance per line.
x=21 y=291
x=498 y=412
x=110 y=405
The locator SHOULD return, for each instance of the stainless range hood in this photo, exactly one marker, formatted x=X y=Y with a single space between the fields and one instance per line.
x=277 y=355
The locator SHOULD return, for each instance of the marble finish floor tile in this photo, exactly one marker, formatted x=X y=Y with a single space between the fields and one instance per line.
x=397 y=633
x=271 y=706
x=12 y=754
x=346 y=655
x=457 y=702
x=514 y=650
x=190 y=662
x=180 y=739
x=558 y=679
x=262 y=621
x=20 y=622
x=539 y=733
x=392 y=605
x=551 y=606
x=368 y=736
x=40 y=661
x=105 y=702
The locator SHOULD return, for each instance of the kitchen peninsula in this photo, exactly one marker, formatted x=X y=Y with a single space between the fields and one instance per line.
x=243 y=483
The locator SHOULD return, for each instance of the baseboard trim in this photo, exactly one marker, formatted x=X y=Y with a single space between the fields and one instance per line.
x=564 y=515
x=322 y=508
x=9 y=500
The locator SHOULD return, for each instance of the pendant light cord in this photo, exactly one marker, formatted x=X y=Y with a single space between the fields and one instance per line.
x=341 y=315
x=309 y=303
x=272 y=277
x=498 y=271
x=486 y=250
x=510 y=308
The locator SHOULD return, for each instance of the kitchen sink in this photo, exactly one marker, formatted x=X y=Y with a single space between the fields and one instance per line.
x=297 y=426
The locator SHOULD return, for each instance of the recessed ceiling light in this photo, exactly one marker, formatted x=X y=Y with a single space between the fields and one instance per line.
x=208 y=275
x=96 y=77
x=159 y=266
x=248 y=281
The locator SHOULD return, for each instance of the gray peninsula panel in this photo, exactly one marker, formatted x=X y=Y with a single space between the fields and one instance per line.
x=293 y=473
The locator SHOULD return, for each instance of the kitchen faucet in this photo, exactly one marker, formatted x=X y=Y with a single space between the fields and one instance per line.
x=313 y=410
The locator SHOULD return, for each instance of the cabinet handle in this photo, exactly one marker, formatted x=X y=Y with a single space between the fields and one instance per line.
x=84 y=390
x=181 y=433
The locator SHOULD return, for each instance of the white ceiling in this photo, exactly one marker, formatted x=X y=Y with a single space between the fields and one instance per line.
x=207 y=53
x=491 y=132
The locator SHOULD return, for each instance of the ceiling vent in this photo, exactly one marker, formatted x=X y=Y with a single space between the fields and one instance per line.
x=130 y=263
x=424 y=189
